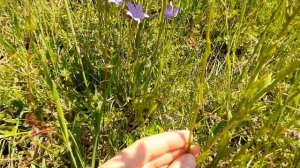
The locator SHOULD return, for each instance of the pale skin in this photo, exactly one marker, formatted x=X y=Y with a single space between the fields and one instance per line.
x=166 y=150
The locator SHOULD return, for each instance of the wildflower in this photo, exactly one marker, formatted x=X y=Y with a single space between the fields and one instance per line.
x=117 y=2
x=136 y=12
x=171 y=12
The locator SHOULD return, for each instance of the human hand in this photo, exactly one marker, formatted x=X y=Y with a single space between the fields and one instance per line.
x=166 y=150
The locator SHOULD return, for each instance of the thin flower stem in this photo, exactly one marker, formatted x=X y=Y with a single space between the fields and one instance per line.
x=200 y=98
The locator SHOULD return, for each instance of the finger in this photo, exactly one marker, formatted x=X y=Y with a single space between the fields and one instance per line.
x=184 y=161
x=164 y=159
x=195 y=150
x=168 y=158
x=157 y=145
x=149 y=148
x=166 y=166
x=160 y=144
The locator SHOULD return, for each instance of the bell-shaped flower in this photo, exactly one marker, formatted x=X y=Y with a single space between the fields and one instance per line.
x=171 y=12
x=136 y=12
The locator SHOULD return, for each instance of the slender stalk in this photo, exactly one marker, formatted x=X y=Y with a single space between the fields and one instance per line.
x=102 y=17
x=76 y=42
x=29 y=54
x=200 y=99
x=245 y=110
x=161 y=27
x=259 y=44
x=56 y=98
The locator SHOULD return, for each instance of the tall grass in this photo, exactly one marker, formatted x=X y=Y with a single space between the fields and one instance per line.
x=80 y=80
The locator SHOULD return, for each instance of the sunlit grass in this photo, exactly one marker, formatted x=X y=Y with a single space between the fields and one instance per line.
x=96 y=80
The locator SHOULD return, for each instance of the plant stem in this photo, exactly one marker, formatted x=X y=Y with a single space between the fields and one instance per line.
x=200 y=99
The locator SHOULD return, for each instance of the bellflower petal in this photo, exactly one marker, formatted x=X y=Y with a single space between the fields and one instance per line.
x=131 y=7
x=139 y=8
x=175 y=12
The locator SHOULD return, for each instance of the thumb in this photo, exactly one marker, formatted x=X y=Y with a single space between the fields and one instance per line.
x=184 y=161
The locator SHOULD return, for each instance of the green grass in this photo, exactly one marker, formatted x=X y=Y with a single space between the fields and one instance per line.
x=96 y=81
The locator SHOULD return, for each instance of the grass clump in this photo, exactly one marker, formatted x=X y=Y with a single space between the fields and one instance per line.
x=81 y=80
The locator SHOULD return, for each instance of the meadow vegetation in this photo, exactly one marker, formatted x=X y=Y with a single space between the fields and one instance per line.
x=80 y=80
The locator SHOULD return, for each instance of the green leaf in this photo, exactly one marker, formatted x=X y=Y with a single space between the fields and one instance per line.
x=258 y=85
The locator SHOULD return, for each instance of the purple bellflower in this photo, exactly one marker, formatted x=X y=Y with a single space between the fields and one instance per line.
x=136 y=12
x=171 y=12
x=117 y=2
